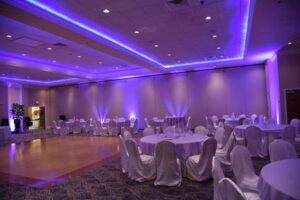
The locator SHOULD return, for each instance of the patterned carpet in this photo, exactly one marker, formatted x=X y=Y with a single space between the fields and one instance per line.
x=107 y=182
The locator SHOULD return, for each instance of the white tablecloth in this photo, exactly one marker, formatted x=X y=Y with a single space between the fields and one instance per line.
x=185 y=146
x=232 y=121
x=71 y=123
x=280 y=180
x=266 y=130
x=5 y=132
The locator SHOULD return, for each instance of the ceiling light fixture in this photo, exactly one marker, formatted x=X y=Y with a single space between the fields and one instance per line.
x=207 y=18
x=156 y=45
x=218 y=48
x=49 y=48
x=8 y=36
x=214 y=36
x=106 y=11
x=169 y=54
x=136 y=32
x=23 y=54
x=78 y=56
x=100 y=63
x=54 y=61
x=290 y=43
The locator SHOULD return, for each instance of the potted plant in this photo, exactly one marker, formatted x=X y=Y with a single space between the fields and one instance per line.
x=18 y=113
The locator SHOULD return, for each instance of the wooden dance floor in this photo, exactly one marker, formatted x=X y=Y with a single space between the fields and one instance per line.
x=43 y=161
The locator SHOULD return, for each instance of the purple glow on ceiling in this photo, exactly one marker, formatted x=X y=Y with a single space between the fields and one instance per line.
x=245 y=6
x=36 y=82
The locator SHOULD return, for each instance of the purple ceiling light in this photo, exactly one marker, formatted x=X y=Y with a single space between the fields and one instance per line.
x=246 y=7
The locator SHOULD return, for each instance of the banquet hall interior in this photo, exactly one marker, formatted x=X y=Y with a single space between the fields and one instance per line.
x=159 y=99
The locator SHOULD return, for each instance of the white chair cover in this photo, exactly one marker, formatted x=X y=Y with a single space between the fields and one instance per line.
x=255 y=143
x=247 y=121
x=201 y=130
x=124 y=155
x=230 y=191
x=242 y=116
x=289 y=134
x=217 y=174
x=188 y=125
x=214 y=118
x=76 y=127
x=64 y=130
x=127 y=135
x=56 y=129
x=199 y=166
x=224 y=154
x=148 y=131
x=228 y=130
x=280 y=150
x=140 y=167
x=112 y=128
x=243 y=169
x=168 y=169
x=296 y=123
x=210 y=126
x=220 y=136
x=225 y=116
x=253 y=118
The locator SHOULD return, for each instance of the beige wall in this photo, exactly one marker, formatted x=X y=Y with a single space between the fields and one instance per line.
x=196 y=94
x=289 y=76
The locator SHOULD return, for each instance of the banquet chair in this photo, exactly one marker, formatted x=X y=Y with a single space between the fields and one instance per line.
x=56 y=129
x=99 y=130
x=199 y=166
x=217 y=174
x=210 y=126
x=224 y=154
x=168 y=169
x=289 y=134
x=241 y=120
x=112 y=128
x=247 y=121
x=280 y=150
x=230 y=191
x=296 y=123
x=253 y=118
x=188 y=124
x=148 y=131
x=140 y=167
x=243 y=169
x=201 y=130
x=228 y=130
x=220 y=136
x=127 y=135
x=76 y=127
x=147 y=122
x=225 y=116
x=242 y=116
x=124 y=155
x=256 y=144
x=134 y=126
x=64 y=129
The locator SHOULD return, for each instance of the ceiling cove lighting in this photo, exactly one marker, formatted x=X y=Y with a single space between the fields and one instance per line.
x=245 y=20
x=36 y=82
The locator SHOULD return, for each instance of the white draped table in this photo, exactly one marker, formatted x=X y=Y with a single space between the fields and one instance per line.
x=280 y=180
x=186 y=146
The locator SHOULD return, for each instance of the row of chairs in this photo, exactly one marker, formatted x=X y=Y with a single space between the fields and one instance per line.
x=94 y=127
x=245 y=176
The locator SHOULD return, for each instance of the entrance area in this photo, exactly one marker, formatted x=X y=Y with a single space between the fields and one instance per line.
x=37 y=115
x=292 y=104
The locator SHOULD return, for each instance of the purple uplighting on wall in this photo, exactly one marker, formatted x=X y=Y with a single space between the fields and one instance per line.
x=273 y=86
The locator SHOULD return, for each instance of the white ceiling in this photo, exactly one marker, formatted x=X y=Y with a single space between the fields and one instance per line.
x=179 y=30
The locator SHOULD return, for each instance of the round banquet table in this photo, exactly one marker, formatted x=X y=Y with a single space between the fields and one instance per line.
x=232 y=121
x=186 y=146
x=266 y=130
x=280 y=180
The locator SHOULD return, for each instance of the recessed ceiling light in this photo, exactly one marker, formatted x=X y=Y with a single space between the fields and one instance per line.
x=178 y=61
x=8 y=36
x=221 y=56
x=23 y=54
x=169 y=54
x=27 y=76
x=136 y=32
x=54 y=61
x=3 y=74
x=214 y=36
x=49 y=48
x=290 y=43
x=78 y=56
x=117 y=67
x=106 y=11
x=218 y=48
x=76 y=66
x=208 y=18
x=156 y=45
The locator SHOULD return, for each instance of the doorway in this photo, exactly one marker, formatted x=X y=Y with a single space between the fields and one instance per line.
x=292 y=99
x=37 y=115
